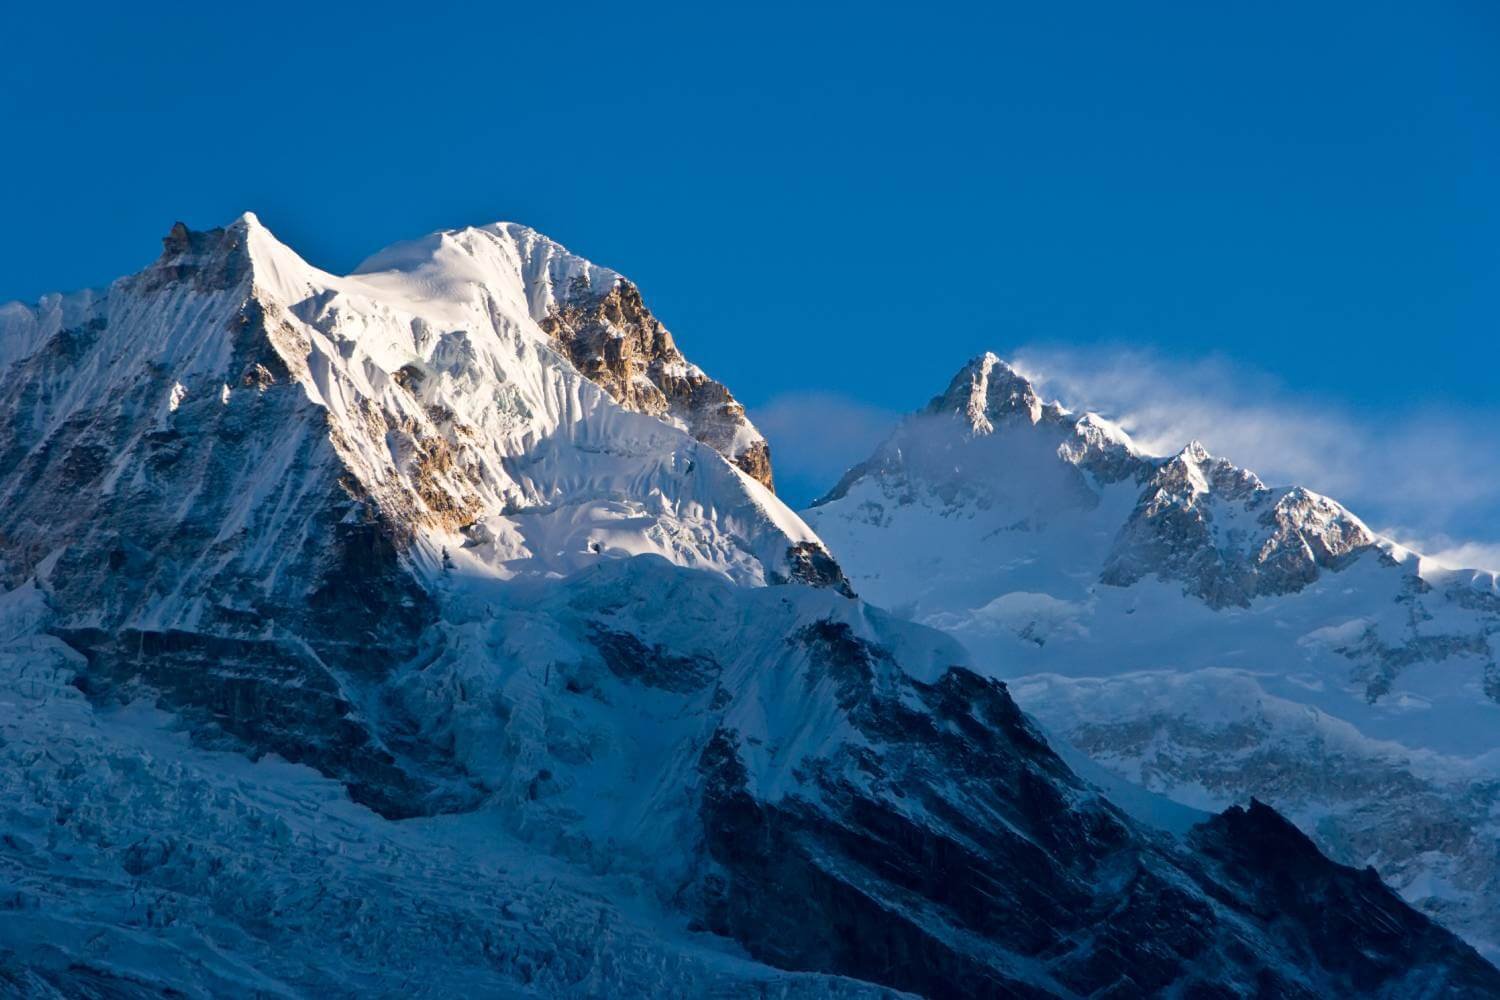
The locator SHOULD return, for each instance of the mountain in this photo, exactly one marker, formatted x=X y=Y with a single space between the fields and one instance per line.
x=1196 y=631
x=434 y=630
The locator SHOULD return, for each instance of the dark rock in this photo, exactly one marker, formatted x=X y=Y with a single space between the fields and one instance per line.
x=629 y=658
x=955 y=855
x=810 y=563
x=615 y=342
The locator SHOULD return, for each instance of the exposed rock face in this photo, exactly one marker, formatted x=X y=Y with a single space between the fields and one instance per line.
x=1344 y=916
x=1226 y=537
x=612 y=338
x=1195 y=630
x=811 y=564
x=986 y=391
x=378 y=526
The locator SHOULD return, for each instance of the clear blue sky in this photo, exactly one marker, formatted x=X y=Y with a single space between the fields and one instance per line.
x=850 y=198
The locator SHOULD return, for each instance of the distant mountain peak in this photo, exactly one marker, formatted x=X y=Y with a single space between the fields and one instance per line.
x=1195 y=452
x=1195 y=629
x=987 y=390
x=1198 y=518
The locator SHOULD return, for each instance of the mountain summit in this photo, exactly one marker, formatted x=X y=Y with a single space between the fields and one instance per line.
x=1197 y=631
x=986 y=390
x=434 y=630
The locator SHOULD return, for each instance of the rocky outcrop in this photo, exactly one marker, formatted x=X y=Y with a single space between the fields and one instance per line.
x=1361 y=931
x=810 y=563
x=615 y=342
x=987 y=391
x=1217 y=529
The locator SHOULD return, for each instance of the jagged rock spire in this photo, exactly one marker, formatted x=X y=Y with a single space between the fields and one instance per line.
x=985 y=390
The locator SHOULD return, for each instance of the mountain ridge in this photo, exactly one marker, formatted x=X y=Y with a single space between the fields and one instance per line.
x=289 y=556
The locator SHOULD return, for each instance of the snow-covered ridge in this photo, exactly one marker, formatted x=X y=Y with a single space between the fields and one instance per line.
x=24 y=328
x=594 y=315
x=447 y=264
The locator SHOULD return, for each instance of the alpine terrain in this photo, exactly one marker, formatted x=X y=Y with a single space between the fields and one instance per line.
x=1196 y=631
x=434 y=631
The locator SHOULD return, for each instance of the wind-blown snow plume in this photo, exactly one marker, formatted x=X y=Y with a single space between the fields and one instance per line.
x=1417 y=475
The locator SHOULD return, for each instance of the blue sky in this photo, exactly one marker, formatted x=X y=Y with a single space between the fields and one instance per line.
x=834 y=205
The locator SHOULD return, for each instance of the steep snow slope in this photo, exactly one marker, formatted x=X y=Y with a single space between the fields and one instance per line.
x=1196 y=631
x=609 y=718
x=135 y=865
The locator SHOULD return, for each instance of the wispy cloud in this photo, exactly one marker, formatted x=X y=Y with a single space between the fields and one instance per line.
x=1428 y=477
x=1450 y=552
x=815 y=437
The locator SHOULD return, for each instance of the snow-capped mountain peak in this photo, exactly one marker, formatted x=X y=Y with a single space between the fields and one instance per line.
x=258 y=452
x=987 y=390
x=1194 y=452
x=460 y=264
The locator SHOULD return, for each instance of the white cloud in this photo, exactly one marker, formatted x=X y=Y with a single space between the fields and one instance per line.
x=1450 y=552
x=1469 y=555
x=815 y=437
x=1435 y=472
